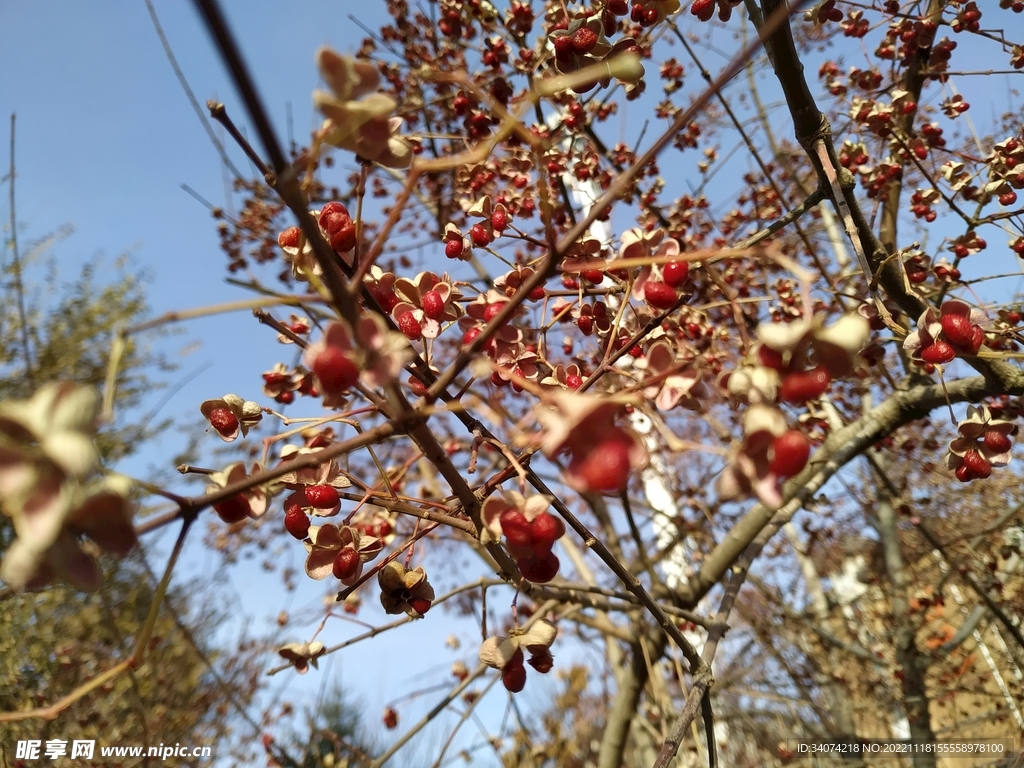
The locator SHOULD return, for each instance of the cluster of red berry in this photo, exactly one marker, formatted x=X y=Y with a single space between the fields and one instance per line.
x=296 y=522
x=975 y=466
x=513 y=674
x=530 y=543
x=336 y=222
x=968 y=18
x=662 y=294
x=961 y=335
x=235 y=508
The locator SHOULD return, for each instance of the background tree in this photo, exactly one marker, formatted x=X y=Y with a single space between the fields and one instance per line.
x=55 y=640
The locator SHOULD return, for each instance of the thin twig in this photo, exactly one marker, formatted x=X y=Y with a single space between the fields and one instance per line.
x=812 y=200
x=219 y=113
x=19 y=287
x=188 y=92
x=268 y=319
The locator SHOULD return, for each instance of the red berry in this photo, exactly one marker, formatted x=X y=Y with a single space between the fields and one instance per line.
x=659 y=295
x=287 y=397
x=1008 y=198
x=336 y=222
x=563 y=47
x=387 y=298
x=977 y=464
x=417 y=387
x=470 y=336
x=541 y=659
x=420 y=604
x=296 y=522
x=790 y=453
x=996 y=441
x=977 y=340
x=605 y=468
x=290 y=238
x=233 y=509
x=333 y=209
x=335 y=371
x=596 y=276
x=537 y=294
x=676 y=272
x=520 y=552
x=433 y=305
x=346 y=564
x=963 y=474
x=586 y=324
x=390 y=718
x=957 y=329
x=770 y=358
x=703 y=9
x=453 y=248
x=380 y=529
x=937 y=352
x=513 y=674
x=539 y=570
x=516 y=528
x=224 y=421
x=583 y=40
x=493 y=310
x=499 y=220
x=480 y=236
x=573 y=382
x=546 y=529
x=322 y=496
x=410 y=326
x=801 y=386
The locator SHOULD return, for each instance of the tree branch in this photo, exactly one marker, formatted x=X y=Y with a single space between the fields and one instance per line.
x=839 y=448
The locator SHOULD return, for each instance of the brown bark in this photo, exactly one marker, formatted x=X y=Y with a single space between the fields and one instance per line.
x=912 y=664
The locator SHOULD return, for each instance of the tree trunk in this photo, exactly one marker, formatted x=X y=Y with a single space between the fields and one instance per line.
x=912 y=664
